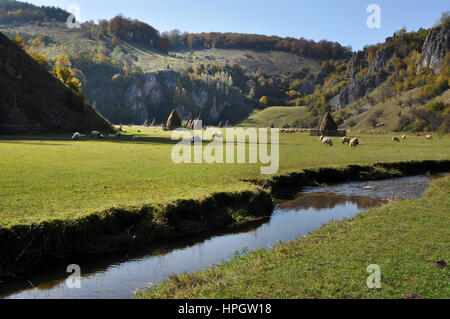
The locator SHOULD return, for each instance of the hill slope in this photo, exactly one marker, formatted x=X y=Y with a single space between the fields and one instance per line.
x=279 y=116
x=33 y=100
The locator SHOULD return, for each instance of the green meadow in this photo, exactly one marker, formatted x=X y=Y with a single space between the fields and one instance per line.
x=48 y=177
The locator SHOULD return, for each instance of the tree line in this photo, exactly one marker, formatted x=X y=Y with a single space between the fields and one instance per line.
x=323 y=50
x=12 y=11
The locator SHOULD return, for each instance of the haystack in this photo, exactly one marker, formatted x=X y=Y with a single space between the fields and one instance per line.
x=174 y=121
x=328 y=126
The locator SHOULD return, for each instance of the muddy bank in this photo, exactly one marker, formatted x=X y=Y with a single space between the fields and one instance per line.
x=25 y=248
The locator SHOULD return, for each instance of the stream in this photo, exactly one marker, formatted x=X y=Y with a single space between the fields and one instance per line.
x=114 y=277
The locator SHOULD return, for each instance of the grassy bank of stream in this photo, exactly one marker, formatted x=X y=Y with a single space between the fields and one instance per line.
x=404 y=238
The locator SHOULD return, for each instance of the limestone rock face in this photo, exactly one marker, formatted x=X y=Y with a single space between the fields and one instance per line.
x=160 y=92
x=357 y=63
x=356 y=89
x=382 y=60
x=435 y=47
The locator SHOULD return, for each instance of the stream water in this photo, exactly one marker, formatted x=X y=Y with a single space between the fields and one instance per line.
x=120 y=277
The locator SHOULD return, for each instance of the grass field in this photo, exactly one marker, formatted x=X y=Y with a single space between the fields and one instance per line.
x=53 y=177
x=404 y=238
x=276 y=115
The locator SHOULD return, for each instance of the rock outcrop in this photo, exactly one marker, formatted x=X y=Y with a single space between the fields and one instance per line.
x=360 y=86
x=34 y=101
x=161 y=92
x=356 y=89
x=357 y=63
x=435 y=47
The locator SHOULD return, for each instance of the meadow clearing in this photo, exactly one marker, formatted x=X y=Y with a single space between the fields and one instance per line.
x=48 y=177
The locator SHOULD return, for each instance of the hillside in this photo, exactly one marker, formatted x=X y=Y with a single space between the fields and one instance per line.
x=115 y=72
x=33 y=100
x=279 y=116
x=131 y=73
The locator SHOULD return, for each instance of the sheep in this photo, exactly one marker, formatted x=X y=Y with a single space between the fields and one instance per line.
x=76 y=136
x=327 y=141
x=218 y=135
x=95 y=134
x=354 y=142
x=321 y=138
x=195 y=138
x=346 y=139
x=429 y=137
x=404 y=137
x=101 y=136
x=396 y=139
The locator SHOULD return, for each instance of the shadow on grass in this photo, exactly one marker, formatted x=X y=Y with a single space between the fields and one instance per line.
x=50 y=140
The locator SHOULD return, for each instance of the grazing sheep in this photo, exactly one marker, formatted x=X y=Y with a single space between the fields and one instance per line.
x=429 y=137
x=195 y=138
x=218 y=135
x=354 y=142
x=95 y=134
x=404 y=137
x=76 y=136
x=396 y=139
x=327 y=141
x=346 y=139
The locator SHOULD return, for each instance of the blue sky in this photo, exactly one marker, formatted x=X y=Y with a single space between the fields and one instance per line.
x=335 y=20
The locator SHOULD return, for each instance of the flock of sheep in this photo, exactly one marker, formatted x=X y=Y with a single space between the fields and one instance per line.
x=396 y=139
x=97 y=135
x=353 y=142
x=94 y=134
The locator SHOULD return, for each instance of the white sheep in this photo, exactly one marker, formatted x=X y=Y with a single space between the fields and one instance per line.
x=404 y=137
x=101 y=136
x=354 y=142
x=76 y=136
x=429 y=137
x=396 y=139
x=346 y=139
x=195 y=138
x=95 y=134
x=327 y=141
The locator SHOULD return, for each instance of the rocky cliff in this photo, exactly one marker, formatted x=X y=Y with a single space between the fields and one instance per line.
x=360 y=86
x=33 y=101
x=158 y=93
x=436 y=46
